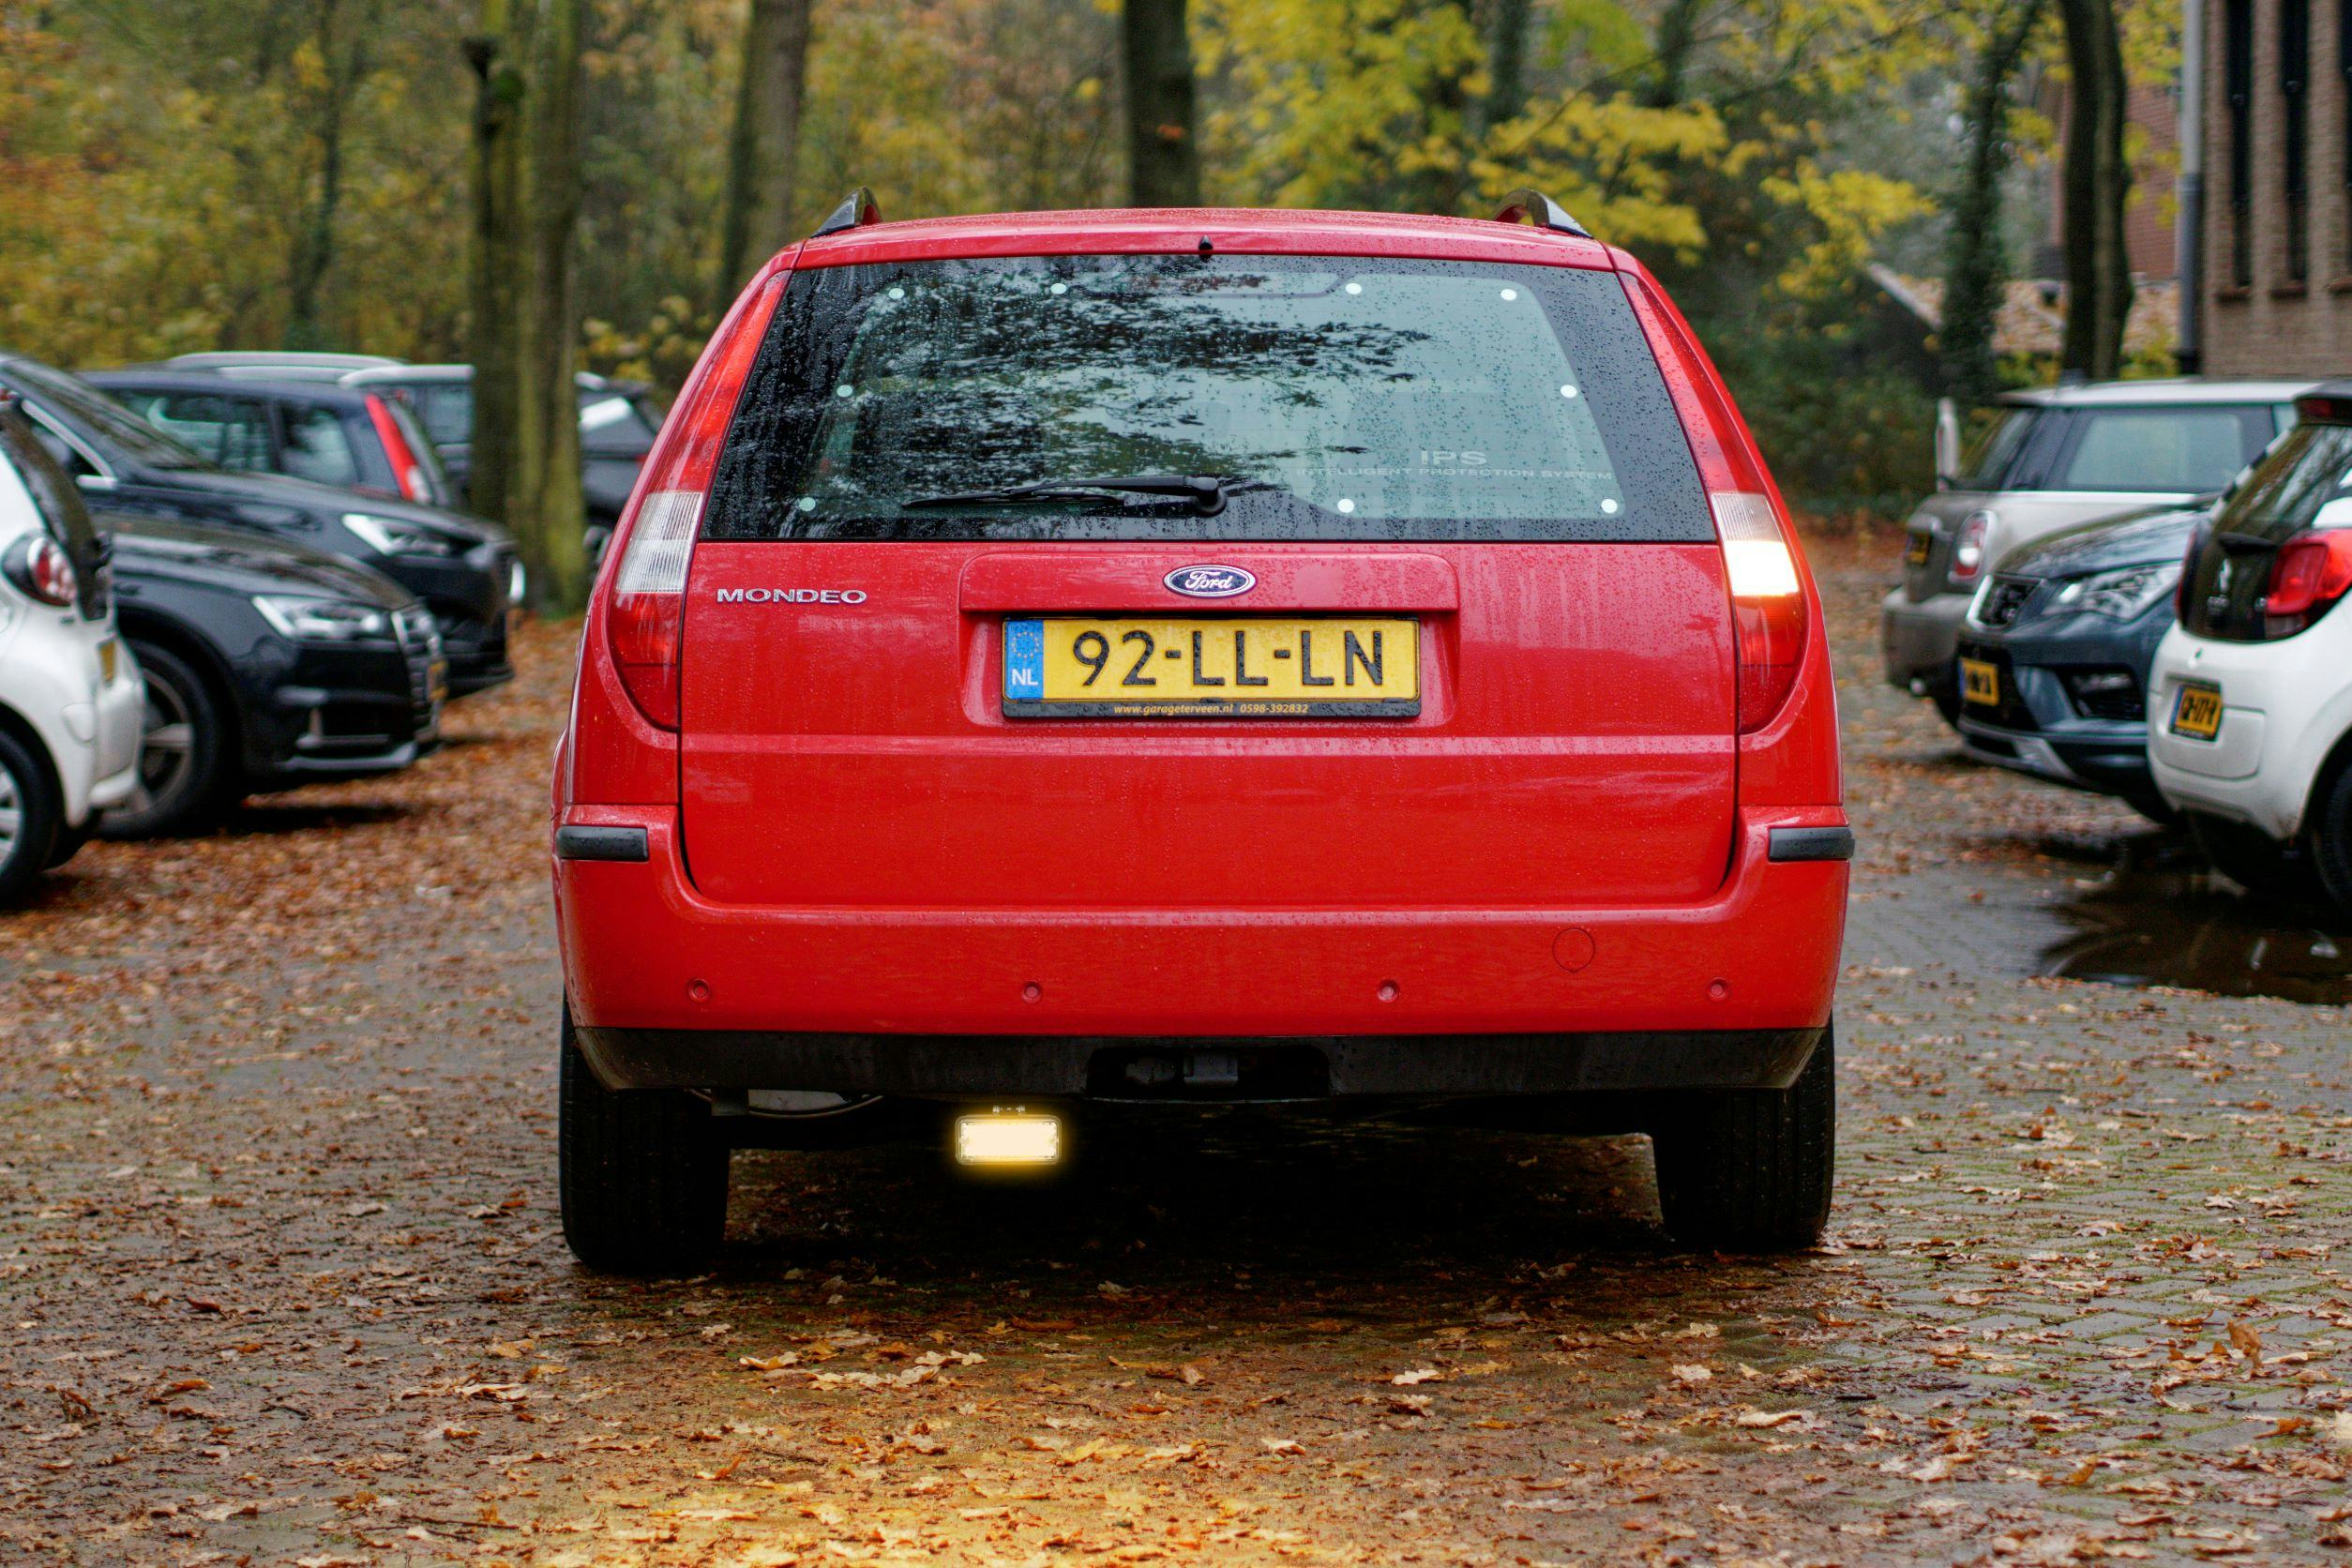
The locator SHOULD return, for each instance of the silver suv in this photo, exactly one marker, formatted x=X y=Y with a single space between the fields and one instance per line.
x=2060 y=456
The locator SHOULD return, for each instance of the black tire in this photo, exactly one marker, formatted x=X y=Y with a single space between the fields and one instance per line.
x=185 y=770
x=2328 y=831
x=31 y=817
x=2156 y=808
x=641 y=1172
x=2263 y=865
x=1750 y=1170
x=1946 y=697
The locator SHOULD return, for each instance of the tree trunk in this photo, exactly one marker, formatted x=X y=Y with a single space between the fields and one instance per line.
x=345 y=67
x=526 y=304
x=1676 y=39
x=1163 y=152
x=760 y=154
x=1976 y=271
x=2097 y=182
x=1506 y=62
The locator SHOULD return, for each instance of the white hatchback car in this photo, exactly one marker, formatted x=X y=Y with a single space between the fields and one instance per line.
x=72 y=700
x=2250 y=701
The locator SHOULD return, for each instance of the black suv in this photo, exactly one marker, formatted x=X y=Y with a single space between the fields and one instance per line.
x=269 y=665
x=465 y=570
x=329 y=435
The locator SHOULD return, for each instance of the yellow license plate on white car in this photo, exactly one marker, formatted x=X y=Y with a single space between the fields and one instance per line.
x=1981 y=682
x=1199 y=667
x=110 y=659
x=2196 y=711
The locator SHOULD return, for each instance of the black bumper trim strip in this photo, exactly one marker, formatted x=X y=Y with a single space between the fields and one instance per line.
x=586 y=842
x=960 y=1064
x=1811 y=843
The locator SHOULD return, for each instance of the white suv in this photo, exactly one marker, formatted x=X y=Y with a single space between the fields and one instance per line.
x=72 y=700
x=2250 y=701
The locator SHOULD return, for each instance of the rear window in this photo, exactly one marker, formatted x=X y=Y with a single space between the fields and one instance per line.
x=2311 y=466
x=318 y=448
x=446 y=408
x=1990 y=465
x=1362 y=398
x=2193 y=450
x=56 y=500
x=230 y=433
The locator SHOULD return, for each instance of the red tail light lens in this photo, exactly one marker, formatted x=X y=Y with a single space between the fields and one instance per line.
x=1968 y=549
x=408 y=475
x=41 y=566
x=2312 y=572
x=644 y=612
x=1771 y=606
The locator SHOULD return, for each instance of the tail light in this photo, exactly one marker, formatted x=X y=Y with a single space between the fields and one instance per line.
x=644 y=610
x=1968 y=547
x=408 y=475
x=2311 y=573
x=2187 y=585
x=41 y=566
x=1772 y=611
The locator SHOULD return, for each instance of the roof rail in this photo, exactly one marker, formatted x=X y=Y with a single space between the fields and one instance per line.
x=856 y=210
x=1527 y=205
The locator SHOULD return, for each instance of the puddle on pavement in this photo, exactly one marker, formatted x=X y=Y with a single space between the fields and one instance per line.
x=2159 y=918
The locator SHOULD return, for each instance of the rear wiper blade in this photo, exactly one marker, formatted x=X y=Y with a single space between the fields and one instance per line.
x=1205 y=490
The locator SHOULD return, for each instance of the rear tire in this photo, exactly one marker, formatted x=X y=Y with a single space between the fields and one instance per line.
x=1750 y=1170
x=2330 y=834
x=2256 y=862
x=184 y=753
x=641 y=1172
x=31 y=818
x=69 y=840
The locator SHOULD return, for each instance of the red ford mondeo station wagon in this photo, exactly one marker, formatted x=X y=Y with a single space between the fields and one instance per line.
x=1198 y=656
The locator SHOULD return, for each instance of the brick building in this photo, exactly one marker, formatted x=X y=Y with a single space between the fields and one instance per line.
x=2278 y=209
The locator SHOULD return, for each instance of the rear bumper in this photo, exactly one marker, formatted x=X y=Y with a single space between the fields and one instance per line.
x=1919 y=639
x=644 y=951
x=1289 y=1067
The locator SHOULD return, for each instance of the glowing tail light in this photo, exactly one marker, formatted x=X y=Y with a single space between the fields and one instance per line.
x=645 y=607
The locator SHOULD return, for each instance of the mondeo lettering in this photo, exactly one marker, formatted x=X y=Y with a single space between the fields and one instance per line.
x=791 y=596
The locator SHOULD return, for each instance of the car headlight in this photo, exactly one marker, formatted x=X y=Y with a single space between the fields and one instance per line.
x=308 y=620
x=2123 y=594
x=390 y=536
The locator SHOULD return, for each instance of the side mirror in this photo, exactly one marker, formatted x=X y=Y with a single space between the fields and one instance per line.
x=1947 y=444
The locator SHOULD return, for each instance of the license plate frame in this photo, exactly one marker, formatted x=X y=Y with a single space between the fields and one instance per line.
x=1041 y=667
x=110 y=659
x=2205 y=722
x=1981 y=683
x=1919 y=546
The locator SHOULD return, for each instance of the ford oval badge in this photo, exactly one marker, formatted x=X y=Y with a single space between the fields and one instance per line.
x=1209 y=582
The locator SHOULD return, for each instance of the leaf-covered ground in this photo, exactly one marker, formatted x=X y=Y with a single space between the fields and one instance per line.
x=282 y=1284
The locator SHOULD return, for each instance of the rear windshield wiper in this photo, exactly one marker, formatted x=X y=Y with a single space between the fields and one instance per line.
x=1206 y=491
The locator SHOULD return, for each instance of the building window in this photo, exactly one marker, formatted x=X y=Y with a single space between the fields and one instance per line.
x=2295 y=97
x=2237 y=92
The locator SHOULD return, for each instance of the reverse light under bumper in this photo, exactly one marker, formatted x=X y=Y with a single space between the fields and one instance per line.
x=668 y=988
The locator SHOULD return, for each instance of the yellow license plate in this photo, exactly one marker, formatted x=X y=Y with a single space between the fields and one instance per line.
x=1981 y=682
x=1194 y=667
x=437 y=679
x=110 y=659
x=1921 y=547
x=2197 y=712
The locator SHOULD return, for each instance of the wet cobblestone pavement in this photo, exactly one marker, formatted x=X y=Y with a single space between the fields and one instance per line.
x=282 y=1284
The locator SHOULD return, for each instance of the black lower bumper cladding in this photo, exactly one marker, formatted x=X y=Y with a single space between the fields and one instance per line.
x=1068 y=1067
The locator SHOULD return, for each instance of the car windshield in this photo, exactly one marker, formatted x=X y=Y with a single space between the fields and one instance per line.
x=1365 y=398
x=2311 y=466
x=613 y=425
x=97 y=417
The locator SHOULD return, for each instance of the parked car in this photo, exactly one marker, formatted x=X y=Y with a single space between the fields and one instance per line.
x=69 y=689
x=2055 y=653
x=290 y=365
x=2250 y=710
x=2061 y=456
x=618 y=420
x=269 y=665
x=1190 y=657
x=465 y=570
x=354 y=441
